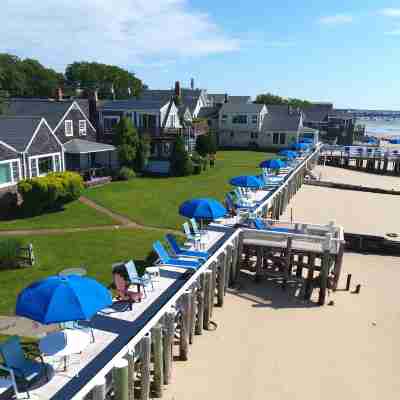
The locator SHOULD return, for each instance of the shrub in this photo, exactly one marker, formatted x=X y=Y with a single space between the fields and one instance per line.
x=197 y=162
x=181 y=164
x=49 y=192
x=126 y=174
x=9 y=253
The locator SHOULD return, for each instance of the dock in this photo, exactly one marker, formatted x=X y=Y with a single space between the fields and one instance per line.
x=132 y=356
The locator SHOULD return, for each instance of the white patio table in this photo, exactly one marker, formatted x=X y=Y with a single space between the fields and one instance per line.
x=64 y=343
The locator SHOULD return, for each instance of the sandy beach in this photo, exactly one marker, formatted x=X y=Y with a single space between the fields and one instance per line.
x=269 y=346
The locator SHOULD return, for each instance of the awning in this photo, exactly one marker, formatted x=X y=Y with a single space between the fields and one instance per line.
x=79 y=146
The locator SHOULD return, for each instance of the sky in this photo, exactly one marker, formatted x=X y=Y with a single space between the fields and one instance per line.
x=346 y=52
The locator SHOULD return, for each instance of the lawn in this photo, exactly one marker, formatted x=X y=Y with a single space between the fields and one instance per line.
x=74 y=215
x=95 y=250
x=155 y=201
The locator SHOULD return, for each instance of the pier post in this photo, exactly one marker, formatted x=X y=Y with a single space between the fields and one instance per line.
x=168 y=345
x=213 y=269
x=99 y=392
x=228 y=259
x=158 y=379
x=200 y=305
x=145 y=367
x=238 y=260
x=193 y=311
x=259 y=264
x=221 y=280
x=288 y=260
x=207 y=299
x=310 y=276
x=120 y=378
x=131 y=374
x=324 y=277
x=338 y=266
x=185 y=326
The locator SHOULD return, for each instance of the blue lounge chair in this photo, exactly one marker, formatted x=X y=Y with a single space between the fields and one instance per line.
x=144 y=280
x=261 y=225
x=78 y=325
x=179 y=252
x=166 y=259
x=20 y=367
x=189 y=235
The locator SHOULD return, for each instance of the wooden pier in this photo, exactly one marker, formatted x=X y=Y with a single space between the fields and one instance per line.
x=133 y=353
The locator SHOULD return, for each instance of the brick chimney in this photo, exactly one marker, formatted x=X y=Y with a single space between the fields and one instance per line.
x=192 y=83
x=226 y=98
x=177 y=89
x=60 y=94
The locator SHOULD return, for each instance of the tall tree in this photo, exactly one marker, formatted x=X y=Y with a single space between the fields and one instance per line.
x=104 y=77
x=181 y=164
x=127 y=141
x=143 y=153
x=271 y=99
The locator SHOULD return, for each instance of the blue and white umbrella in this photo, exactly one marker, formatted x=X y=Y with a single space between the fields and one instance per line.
x=273 y=164
x=250 y=181
x=203 y=209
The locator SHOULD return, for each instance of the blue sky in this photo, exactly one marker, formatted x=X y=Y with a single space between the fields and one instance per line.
x=346 y=52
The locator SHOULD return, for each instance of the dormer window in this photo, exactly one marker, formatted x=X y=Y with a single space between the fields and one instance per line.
x=69 y=128
x=254 y=119
x=82 y=127
x=224 y=118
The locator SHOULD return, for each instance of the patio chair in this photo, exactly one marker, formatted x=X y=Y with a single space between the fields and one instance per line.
x=188 y=233
x=78 y=325
x=261 y=225
x=166 y=259
x=122 y=285
x=179 y=252
x=144 y=280
x=20 y=367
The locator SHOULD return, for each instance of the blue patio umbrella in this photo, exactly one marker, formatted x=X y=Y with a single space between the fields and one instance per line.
x=273 y=164
x=208 y=209
x=288 y=153
x=301 y=146
x=59 y=299
x=251 y=182
x=394 y=141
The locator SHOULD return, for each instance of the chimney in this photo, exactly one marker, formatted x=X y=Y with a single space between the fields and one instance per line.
x=177 y=89
x=226 y=98
x=60 y=94
x=192 y=83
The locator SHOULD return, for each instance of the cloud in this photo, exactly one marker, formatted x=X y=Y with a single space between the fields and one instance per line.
x=390 y=12
x=338 y=19
x=123 y=32
x=395 y=32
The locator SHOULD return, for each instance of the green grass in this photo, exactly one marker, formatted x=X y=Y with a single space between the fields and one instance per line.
x=74 y=215
x=155 y=201
x=95 y=250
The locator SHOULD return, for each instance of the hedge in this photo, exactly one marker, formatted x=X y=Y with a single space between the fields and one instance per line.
x=49 y=192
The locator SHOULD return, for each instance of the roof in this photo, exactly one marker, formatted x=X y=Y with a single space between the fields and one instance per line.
x=340 y=115
x=17 y=131
x=51 y=110
x=280 y=120
x=80 y=146
x=217 y=98
x=239 y=99
x=317 y=113
x=208 y=112
x=242 y=107
x=134 y=104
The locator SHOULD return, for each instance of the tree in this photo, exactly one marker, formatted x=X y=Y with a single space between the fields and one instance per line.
x=127 y=142
x=213 y=146
x=181 y=164
x=203 y=145
x=271 y=99
x=143 y=153
x=102 y=76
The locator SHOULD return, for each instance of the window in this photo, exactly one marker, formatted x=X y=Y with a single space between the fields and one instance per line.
x=239 y=119
x=10 y=172
x=109 y=124
x=254 y=119
x=34 y=167
x=275 y=138
x=232 y=134
x=57 y=163
x=45 y=165
x=69 y=128
x=42 y=165
x=224 y=119
x=282 y=138
x=82 y=127
x=254 y=135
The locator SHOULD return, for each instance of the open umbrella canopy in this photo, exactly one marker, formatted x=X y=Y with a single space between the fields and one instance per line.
x=246 y=182
x=62 y=298
x=394 y=141
x=288 y=153
x=273 y=164
x=206 y=208
x=301 y=146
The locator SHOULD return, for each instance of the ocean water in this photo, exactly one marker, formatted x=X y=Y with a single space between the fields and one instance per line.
x=382 y=128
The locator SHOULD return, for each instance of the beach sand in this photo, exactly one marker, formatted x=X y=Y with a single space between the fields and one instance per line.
x=269 y=346
x=341 y=175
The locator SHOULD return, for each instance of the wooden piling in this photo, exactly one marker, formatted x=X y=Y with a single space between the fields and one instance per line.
x=324 y=277
x=357 y=290
x=131 y=374
x=120 y=378
x=185 y=326
x=259 y=264
x=145 y=367
x=310 y=276
x=221 y=280
x=207 y=299
x=213 y=269
x=238 y=257
x=200 y=306
x=158 y=373
x=168 y=345
x=228 y=260
x=348 y=282
x=338 y=266
x=193 y=312
x=99 y=391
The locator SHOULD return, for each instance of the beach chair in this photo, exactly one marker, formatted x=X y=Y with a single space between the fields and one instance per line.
x=179 y=252
x=261 y=225
x=20 y=367
x=135 y=279
x=166 y=259
x=188 y=233
x=78 y=325
x=123 y=285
